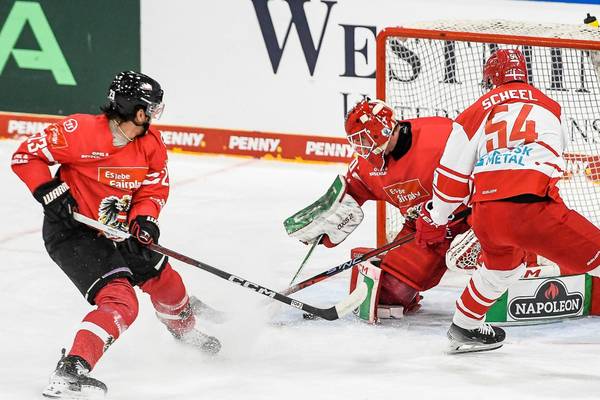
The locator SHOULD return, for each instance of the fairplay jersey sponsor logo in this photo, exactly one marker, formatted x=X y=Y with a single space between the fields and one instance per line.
x=253 y=143
x=551 y=300
x=125 y=178
x=180 y=138
x=328 y=149
x=407 y=193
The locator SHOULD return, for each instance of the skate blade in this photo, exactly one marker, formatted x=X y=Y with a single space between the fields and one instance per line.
x=62 y=391
x=460 y=348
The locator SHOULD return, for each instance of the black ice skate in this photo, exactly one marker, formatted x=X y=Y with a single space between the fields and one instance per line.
x=484 y=338
x=195 y=338
x=70 y=380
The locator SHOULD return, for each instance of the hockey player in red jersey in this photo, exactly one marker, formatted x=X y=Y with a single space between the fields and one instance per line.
x=510 y=141
x=113 y=168
x=395 y=164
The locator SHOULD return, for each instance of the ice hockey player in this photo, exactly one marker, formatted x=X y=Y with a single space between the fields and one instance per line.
x=113 y=168
x=510 y=141
x=395 y=164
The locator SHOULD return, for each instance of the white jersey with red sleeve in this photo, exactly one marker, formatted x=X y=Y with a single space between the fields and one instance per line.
x=112 y=184
x=509 y=142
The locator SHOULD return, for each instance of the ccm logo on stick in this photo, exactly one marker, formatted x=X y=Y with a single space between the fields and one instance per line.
x=250 y=285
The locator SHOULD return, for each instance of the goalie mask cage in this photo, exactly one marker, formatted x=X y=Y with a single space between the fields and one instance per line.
x=435 y=69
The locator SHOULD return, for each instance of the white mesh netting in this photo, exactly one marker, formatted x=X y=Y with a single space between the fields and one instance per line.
x=425 y=77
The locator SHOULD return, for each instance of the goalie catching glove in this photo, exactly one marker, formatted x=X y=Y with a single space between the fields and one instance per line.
x=334 y=216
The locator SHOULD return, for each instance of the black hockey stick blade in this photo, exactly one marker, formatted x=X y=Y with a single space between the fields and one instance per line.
x=339 y=310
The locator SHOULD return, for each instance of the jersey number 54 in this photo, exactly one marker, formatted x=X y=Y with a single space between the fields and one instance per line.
x=497 y=134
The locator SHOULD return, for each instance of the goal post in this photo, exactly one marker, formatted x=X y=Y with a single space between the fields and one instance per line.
x=435 y=69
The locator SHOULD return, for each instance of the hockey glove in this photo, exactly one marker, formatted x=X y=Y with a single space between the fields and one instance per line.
x=57 y=201
x=428 y=232
x=334 y=216
x=144 y=230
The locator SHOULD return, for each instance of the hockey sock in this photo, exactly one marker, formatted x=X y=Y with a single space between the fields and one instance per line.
x=170 y=300
x=484 y=287
x=117 y=308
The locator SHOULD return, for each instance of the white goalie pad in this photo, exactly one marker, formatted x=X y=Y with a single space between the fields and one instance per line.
x=463 y=254
x=370 y=275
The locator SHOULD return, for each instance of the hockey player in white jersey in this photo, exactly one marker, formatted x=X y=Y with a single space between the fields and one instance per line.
x=505 y=152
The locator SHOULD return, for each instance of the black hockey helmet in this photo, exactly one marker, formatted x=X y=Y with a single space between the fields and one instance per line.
x=131 y=90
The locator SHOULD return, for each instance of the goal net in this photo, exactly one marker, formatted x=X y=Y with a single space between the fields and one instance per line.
x=435 y=69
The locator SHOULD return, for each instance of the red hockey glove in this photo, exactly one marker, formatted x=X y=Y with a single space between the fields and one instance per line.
x=428 y=232
x=144 y=230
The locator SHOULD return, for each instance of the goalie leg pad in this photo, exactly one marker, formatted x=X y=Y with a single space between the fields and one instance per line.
x=370 y=274
x=388 y=298
x=397 y=298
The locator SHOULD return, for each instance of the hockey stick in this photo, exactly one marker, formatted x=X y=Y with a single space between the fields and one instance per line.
x=312 y=247
x=330 y=314
x=357 y=260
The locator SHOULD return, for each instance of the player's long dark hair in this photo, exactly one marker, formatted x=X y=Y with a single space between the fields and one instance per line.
x=111 y=112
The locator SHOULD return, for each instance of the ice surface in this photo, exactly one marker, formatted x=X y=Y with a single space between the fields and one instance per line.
x=228 y=212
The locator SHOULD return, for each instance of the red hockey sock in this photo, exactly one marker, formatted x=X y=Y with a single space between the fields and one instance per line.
x=484 y=287
x=117 y=308
x=472 y=304
x=170 y=300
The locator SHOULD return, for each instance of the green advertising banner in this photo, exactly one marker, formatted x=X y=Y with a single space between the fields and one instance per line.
x=58 y=57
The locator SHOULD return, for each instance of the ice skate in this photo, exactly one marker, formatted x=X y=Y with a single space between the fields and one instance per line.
x=70 y=380
x=484 y=338
x=207 y=344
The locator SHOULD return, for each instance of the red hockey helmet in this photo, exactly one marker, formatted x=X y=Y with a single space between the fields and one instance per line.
x=503 y=66
x=369 y=127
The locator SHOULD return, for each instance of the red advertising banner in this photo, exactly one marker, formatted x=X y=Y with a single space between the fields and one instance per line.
x=212 y=141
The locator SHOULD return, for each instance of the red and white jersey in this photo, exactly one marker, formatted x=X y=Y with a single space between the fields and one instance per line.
x=509 y=142
x=110 y=184
x=407 y=181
